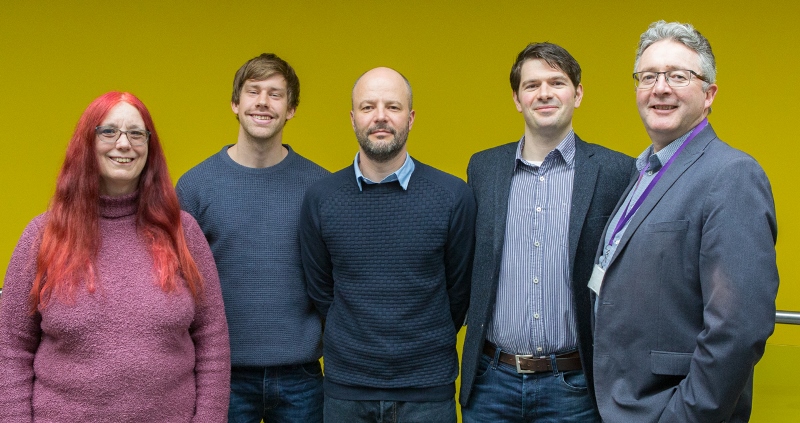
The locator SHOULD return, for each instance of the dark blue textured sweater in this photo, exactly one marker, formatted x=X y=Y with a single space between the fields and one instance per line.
x=249 y=217
x=389 y=269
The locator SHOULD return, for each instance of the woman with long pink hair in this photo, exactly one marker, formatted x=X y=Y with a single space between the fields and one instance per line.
x=111 y=307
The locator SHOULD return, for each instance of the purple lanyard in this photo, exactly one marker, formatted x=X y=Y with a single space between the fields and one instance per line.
x=630 y=211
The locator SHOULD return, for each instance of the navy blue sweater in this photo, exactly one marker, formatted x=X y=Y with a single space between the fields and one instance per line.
x=389 y=269
x=249 y=216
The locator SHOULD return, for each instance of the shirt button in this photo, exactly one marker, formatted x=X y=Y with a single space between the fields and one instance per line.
x=541 y=178
x=535 y=315
x=538 y=209
x=535 y=280
x=616 y=242
x=539 y=349
x=536 y=244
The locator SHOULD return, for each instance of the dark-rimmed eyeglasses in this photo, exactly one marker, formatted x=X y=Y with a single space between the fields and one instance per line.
x=111 y=134
x=674 y=78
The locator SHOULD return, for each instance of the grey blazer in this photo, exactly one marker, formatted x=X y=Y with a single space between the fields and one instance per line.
x=601 y=176
x=688 y=300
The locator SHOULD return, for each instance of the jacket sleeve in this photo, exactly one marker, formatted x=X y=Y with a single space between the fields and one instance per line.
x=20 y=330
x=739 y=283
x=209 y=331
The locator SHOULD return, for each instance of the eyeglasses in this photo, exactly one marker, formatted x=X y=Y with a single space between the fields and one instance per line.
x=674 y=78
x=110 y=134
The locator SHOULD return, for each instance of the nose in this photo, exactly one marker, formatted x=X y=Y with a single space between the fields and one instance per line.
x=380 y=114
x=123 y=145
x=661 y=85
x=262 y=98
x=545 y=91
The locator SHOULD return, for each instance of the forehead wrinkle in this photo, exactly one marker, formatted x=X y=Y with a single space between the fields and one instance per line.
x=675 y=52
x=388 y=82
x=272 y=82
x=121 y=116
x=543 y=71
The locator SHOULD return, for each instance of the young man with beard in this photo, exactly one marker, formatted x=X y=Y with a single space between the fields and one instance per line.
x=387 y=248
x=247 y=199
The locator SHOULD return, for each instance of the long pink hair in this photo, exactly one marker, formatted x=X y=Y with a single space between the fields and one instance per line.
x=71 y=237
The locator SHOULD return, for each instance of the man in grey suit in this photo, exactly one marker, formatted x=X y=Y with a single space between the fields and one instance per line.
x=542 y=204
x=686 y=274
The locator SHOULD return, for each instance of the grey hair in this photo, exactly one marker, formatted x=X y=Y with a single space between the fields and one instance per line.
x=685 y=34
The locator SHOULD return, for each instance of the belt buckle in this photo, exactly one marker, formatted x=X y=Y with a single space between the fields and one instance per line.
x=516 y=360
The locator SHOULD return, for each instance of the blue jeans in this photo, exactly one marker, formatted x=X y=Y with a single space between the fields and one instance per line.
x=500 y=394
x=346 y=411
x=281 y=394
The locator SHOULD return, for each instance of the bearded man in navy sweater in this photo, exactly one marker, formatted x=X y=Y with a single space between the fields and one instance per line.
x=387 y=246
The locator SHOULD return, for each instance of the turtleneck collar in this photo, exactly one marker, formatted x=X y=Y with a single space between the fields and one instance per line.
x=124 y=205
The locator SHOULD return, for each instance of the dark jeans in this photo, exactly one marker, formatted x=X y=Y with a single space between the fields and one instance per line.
x=282 y=394
x=345 y=411
x=500 y=394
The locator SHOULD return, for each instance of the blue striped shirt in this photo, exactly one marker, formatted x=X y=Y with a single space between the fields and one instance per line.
x=534 y=312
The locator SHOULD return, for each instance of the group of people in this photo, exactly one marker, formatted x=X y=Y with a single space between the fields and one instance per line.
x=591 y=289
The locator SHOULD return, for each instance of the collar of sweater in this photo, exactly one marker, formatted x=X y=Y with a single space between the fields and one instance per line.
x=124 y=205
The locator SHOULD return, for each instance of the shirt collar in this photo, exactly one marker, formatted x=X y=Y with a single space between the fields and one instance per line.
x=663 y=155
x=402 y=175
x=566 y=148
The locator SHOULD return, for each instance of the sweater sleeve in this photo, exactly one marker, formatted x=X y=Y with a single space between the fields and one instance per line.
x=20 y=330
x=314 y=254
x=209 y=331
x=186 y=198
x=458 y=254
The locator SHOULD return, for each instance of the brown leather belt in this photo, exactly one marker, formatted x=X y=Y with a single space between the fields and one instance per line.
x=531 y=364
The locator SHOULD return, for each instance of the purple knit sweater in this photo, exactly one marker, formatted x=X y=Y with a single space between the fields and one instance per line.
x=129 y=352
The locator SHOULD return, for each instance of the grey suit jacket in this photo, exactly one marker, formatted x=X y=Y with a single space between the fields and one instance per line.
x=601 y=176
x=688 y=300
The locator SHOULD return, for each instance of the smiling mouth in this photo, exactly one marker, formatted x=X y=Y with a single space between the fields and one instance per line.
x=664 y=107
x=262 y=118
x=122 y=159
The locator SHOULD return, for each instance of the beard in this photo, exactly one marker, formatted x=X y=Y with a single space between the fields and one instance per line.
x=386 y=150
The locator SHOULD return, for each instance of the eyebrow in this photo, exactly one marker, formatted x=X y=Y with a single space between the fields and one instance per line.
x=372 y=101
x=668 y=67
x=552 y=78
x=260 y=87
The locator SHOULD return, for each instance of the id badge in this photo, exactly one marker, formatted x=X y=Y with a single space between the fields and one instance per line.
x=596 y=281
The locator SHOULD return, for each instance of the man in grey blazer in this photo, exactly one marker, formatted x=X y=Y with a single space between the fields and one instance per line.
x=686 y=273
x=542 y=204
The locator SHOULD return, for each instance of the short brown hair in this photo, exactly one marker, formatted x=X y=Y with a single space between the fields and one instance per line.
x=262 y=67
x=555 y=56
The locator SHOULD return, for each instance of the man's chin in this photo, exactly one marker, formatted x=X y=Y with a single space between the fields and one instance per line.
x=382 y=156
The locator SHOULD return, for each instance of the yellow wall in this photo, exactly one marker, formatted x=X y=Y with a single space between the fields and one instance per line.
x=180 y=57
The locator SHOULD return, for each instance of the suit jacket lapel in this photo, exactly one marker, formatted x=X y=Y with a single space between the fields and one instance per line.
x=683 y=162
x=503 y=183
x=586 y=169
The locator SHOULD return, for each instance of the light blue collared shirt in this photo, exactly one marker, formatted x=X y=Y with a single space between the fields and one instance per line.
x=402 y=175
